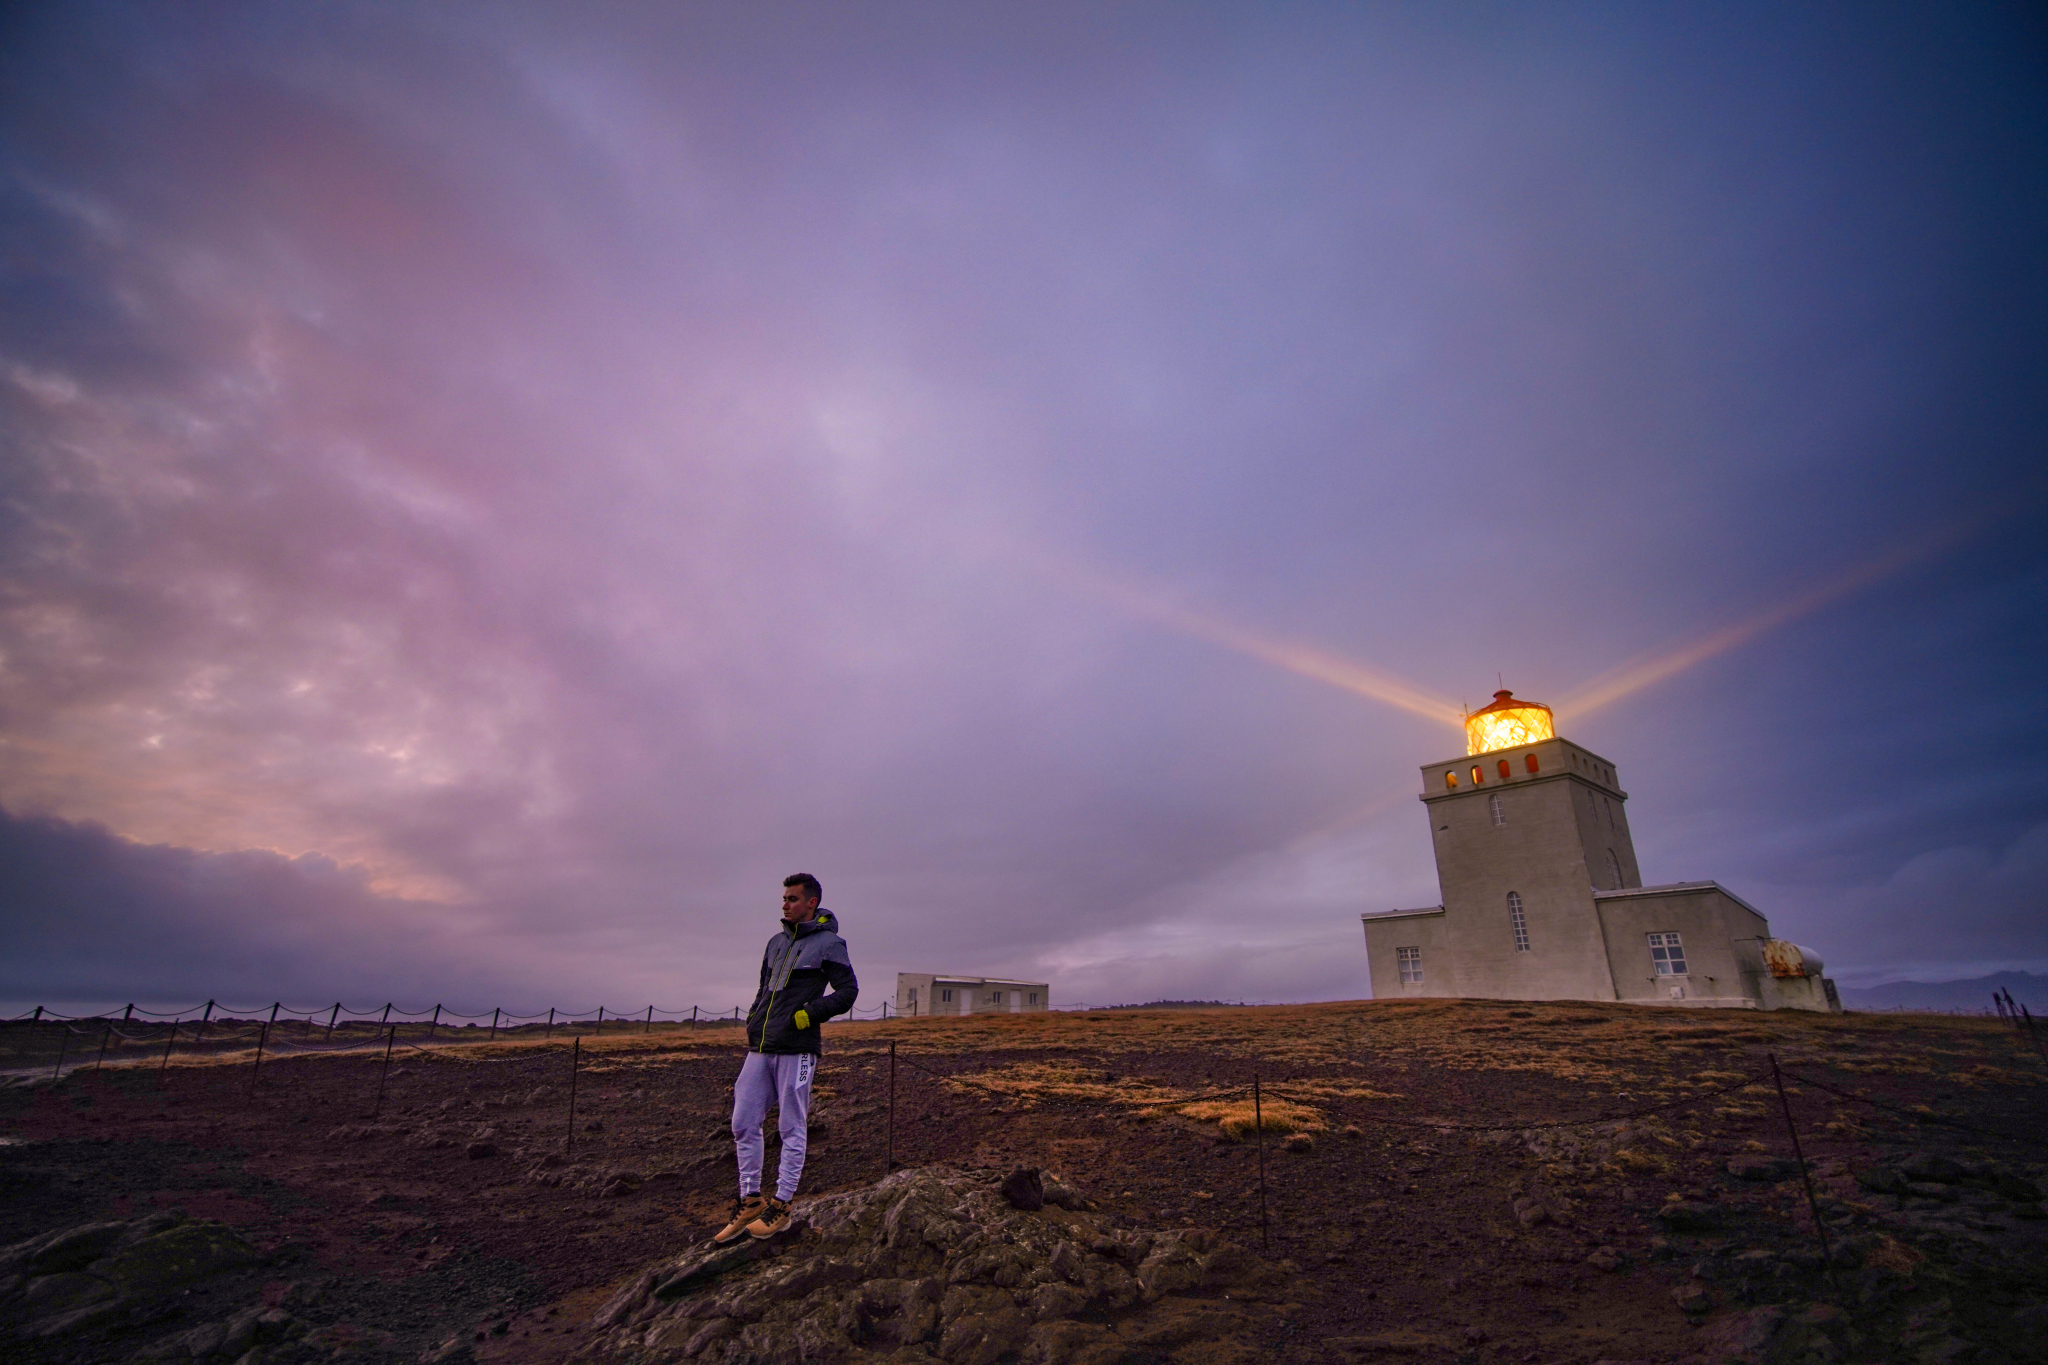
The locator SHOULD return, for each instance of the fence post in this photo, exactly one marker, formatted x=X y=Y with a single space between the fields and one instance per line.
x=1805 y=1176
x=693 y=1018
x=1259 y=1127
x=575 y=1060
x=390 y=1037
x=650 y=1020
x=105 y=1038
x=2028 y=1015
x=63 y=1046
x=169 y=1038
x=431 y=1028
x=892 y=1109
x=494 y=1027
x=600 y=1018
x=331 y=1021
x=261 y=1039
x=385 y=1022
x=199 y=1036
x=551 y=1025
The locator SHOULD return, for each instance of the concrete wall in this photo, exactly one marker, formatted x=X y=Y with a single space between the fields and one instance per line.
x=1551 y=850
x=1422 y=929
x=1711 y=924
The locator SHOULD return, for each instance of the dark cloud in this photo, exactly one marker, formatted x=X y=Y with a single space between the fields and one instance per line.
x=567 y=475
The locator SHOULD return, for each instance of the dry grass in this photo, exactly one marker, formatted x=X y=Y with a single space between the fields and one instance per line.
x=1027 y=1082
x=1236 y=1120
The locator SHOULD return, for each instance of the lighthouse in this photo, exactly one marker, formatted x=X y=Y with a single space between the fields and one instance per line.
x=1543 y=898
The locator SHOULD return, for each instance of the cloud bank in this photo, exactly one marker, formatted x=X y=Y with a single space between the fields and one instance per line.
x=485 y=495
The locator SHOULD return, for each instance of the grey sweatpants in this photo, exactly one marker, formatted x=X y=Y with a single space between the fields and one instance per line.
x=782 y=1079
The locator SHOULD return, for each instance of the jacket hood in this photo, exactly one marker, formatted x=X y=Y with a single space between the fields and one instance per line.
x=824 y=919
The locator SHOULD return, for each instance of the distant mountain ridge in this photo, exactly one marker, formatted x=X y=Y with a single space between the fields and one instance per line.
x=1972 y=994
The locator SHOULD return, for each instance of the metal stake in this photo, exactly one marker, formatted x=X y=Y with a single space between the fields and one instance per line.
x=435 y=1025
x=650 y=1020
x=892 y=1110
x=551 y=1025
x=105 y=1038
x=390 y=1037
x=330 y=1022
x=2028 y=1015
x=1259 y=1124
x=575 y=1060
x=63 y=1046
x=494 y=1027
x=199 y=1035
x=693 y=1018
x=169 y=1038
x=1806 y=1176
x=261 y=1039
x=385 y=1022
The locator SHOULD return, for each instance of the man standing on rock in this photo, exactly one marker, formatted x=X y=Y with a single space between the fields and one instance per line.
x=804 y=960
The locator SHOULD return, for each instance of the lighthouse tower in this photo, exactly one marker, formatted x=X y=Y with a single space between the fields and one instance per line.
x=1543 y=898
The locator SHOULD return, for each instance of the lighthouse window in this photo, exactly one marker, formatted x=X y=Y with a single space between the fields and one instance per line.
x=1531 y=761
x=1503 y=770
x=1450 y=779
x=1478 y=774
x=1493 y=806
x=1668 y=955
x=1517 y=923
x=1410 y=962
x=1614 y=868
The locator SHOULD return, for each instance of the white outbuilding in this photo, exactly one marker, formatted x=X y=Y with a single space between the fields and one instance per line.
x=920 y=994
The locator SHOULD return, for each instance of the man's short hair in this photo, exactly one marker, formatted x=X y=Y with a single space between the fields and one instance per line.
x=811 y=886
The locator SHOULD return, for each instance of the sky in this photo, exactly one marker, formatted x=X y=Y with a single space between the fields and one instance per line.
x=488 y=490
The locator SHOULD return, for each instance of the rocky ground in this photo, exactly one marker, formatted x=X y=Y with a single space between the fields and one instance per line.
x=1419 y=1204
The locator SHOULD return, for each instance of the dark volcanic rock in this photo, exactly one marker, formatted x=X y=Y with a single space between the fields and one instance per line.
x=1022 y=1189
x=1763 y=1168
x=932 y=1257
x=83 y=1276
x=1684 y=1216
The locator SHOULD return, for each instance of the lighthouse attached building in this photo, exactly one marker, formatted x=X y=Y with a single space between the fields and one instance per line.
x=1542 y=898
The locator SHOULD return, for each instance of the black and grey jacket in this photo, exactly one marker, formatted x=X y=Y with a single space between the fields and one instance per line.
x=801 y=962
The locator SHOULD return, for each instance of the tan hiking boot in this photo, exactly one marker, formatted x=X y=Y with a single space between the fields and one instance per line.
x=774 y=1218
x=745 y=1210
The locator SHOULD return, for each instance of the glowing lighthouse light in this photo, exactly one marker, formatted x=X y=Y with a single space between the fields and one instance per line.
x=1506 y=724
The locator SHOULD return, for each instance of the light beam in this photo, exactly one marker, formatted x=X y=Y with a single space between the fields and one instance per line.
x=1306 y=660
x=1633 y=677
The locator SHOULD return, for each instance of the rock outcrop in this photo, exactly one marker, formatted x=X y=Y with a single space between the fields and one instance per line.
x=103 y=1273
x=933 y=1263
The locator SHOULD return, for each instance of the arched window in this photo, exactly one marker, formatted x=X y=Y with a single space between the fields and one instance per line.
x=1531 y=761
x=1614 y=868
x=1450 y=779
x=1493 y=806
x=1503 y=770
x=1478 y=774
x=1517 y=922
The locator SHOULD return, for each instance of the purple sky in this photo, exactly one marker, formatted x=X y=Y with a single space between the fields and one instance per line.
x=485 y=491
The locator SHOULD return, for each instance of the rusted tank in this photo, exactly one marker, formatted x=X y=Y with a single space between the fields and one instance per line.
x=1785 y=958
